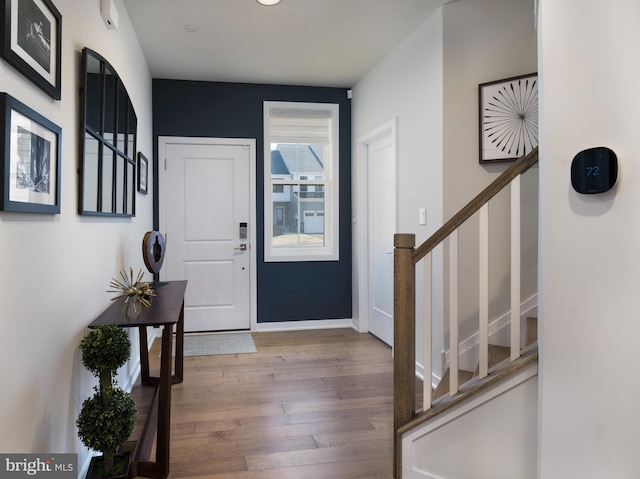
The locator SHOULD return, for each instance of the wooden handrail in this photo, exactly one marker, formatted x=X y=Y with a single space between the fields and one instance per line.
x=521 y=165
x=406 y=256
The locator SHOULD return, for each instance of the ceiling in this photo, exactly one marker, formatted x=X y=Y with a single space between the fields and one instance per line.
x=298 y=42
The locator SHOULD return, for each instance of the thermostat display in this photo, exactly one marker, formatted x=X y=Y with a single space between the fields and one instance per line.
x=594 y=170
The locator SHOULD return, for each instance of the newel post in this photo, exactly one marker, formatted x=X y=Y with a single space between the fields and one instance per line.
x=404 y=340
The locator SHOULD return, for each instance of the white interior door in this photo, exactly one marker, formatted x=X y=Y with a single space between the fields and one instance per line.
x=208 y=223
x=381 y=166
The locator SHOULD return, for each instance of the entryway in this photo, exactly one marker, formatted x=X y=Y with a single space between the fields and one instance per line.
x=207 y=212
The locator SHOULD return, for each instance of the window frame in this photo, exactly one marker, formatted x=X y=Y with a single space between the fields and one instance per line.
x=330 y=251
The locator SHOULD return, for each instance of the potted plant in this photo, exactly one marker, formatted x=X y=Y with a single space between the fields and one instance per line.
x=107 y=418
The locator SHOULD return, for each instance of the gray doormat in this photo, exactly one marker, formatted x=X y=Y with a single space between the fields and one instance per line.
x=198 y=344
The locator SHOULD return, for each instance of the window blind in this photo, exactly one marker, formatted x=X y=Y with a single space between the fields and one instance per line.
x=300 y=125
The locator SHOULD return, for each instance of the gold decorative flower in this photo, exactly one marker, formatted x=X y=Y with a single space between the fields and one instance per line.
x=131 y=292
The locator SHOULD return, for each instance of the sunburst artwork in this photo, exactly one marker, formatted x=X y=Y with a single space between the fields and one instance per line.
x=508 y=118
x=134 y=294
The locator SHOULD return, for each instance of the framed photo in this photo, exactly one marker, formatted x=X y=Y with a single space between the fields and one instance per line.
x=508 y=118
x=143 y=173
x=31 y=41
x=31 y=146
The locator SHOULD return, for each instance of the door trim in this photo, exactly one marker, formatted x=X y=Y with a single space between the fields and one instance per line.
x=362 y=215
x=250 y=143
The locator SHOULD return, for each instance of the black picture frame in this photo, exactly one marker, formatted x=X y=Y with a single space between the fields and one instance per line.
x=508 y=111
x=32 y=149
x=143 y=174
x=32 y=41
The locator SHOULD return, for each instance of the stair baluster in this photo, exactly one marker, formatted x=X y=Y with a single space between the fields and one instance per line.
x=406 y=256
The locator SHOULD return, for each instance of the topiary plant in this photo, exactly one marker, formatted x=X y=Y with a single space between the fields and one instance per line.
x=106 y=419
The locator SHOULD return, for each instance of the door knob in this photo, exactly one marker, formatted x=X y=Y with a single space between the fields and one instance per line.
x=242 y=247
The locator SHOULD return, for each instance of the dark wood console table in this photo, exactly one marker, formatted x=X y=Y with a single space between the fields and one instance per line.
x=166 y=311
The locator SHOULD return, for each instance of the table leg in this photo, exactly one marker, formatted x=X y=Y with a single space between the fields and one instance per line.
x=179 y=363
x=164 y=402
x=160 y=468
x=144 y=356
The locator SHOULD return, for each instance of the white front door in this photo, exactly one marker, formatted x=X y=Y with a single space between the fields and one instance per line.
x=381 y=166
x=206 y=212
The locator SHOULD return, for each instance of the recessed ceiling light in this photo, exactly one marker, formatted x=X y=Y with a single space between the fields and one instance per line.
x=191 y=28
x=269 y=2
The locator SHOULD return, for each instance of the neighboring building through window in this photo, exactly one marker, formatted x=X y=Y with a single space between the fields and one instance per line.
x=301 y=181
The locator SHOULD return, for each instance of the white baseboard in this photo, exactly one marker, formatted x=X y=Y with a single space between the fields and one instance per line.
x=435 y=379
x=83 y=468
x=468 y=349
x=498 y=334
x=409 y=472
x=305 y=325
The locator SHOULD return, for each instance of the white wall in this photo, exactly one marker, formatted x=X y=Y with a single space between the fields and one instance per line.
x=405 y=86
x=590 y=261
x=430 y=85
x=490 y=436
x=55 y=270
x=484 y=41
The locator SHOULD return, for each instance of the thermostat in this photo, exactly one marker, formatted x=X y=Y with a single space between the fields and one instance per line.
x=594 y=170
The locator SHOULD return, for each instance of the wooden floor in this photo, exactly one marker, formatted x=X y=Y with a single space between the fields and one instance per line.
x=307 y=405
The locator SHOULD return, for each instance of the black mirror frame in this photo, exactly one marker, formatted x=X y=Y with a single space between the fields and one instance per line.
x=120 y=201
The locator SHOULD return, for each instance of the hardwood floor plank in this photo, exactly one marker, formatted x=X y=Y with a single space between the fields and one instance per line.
x=306 y=405
x=212 y=446
x=339 y=370
x=292 y=408
x=292 y=430
x=377 y=468
x=353 y=438
x=325 y=455
x=375 y=415
x=382 y=420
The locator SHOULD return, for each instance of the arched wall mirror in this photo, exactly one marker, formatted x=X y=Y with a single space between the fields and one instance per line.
x=108 y=146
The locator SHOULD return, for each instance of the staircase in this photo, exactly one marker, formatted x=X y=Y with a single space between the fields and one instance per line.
x=500 y=368
x=462 y=451
x=499 y=359
x=487 y=430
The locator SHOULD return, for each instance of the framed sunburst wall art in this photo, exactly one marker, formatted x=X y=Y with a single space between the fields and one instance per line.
x=508 y=118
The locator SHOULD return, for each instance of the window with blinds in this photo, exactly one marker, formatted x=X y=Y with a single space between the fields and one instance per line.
x=301 y=181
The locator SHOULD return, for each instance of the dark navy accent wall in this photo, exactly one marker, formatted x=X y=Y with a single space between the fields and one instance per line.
x=286 y=291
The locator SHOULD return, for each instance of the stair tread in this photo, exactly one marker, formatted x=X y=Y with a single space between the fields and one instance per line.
x=444 y=384
x=473 y=387
x=497 y=354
